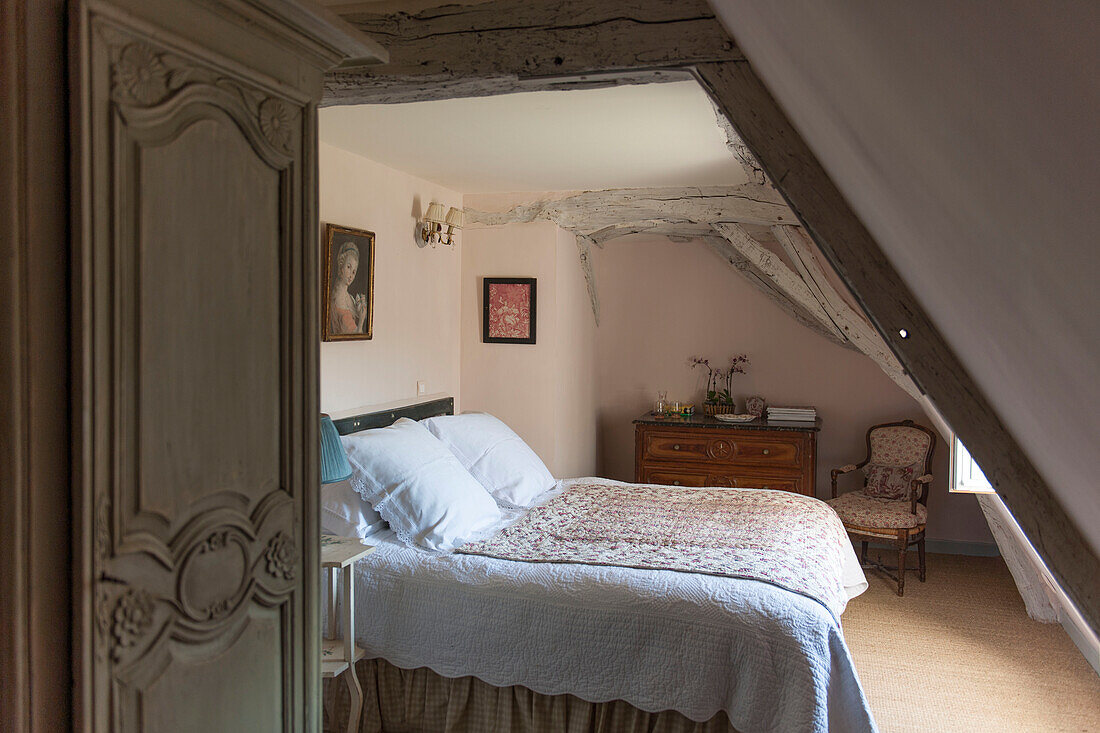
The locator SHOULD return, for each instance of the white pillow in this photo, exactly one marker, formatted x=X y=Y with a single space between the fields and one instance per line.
x=418 y=486
x=345 y=514
x=494 y=455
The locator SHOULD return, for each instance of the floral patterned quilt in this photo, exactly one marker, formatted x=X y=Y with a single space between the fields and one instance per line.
x=788 y=540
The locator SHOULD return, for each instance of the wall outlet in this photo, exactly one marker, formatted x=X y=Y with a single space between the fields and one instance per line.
x=421 y=388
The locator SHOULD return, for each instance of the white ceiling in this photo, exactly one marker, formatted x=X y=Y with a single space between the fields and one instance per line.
x=616 y=137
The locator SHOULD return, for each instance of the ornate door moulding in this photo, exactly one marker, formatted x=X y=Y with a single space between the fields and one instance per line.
x=194 y=290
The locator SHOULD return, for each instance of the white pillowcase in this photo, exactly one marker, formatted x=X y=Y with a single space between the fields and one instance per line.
x=418 y=486
x=494 y=455
x=344 y=512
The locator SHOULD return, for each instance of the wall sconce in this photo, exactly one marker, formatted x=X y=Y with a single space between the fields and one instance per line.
x=430 y=230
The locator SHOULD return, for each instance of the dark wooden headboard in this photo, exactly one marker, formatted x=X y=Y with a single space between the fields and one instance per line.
x=385 y=418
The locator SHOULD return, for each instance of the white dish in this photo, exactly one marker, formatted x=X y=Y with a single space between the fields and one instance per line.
x=743 y=417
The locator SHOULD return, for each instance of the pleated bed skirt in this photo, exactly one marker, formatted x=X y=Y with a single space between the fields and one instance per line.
x=399 y=700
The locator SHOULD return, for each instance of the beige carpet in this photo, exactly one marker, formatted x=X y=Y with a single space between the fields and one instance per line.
x=958 y=653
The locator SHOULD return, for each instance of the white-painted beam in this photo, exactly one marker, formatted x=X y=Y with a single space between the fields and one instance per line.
x=681 y=214
x=773 y=268
x=594 y=210
x=856 y=329
x=722 y=247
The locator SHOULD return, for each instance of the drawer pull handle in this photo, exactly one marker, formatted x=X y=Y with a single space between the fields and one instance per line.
x=765 y=452
x=675 y=483
x=676 y=447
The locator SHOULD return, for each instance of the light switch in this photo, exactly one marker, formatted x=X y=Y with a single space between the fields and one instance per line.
x=421 y=388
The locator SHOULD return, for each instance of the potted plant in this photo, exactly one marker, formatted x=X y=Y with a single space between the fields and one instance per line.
x=719 y=401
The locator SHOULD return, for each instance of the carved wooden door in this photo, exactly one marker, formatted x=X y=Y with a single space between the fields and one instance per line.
x=196 y=407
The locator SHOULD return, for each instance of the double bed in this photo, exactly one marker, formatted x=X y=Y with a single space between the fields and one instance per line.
x=459 y=641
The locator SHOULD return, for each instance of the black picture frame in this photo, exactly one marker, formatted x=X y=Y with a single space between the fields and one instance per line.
x=488 y=305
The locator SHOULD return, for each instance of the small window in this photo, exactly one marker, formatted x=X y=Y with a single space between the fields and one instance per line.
x=966 y=475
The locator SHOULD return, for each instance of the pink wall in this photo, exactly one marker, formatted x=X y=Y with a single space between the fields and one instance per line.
x=512 y=381
x=416 y=291
x=662 y=302
x=576 y=364
x=545 y=390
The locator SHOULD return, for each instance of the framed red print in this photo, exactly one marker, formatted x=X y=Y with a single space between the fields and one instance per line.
x=509 y=310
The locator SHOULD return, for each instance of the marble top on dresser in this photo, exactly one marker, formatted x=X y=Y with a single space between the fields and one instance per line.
x=699 y=420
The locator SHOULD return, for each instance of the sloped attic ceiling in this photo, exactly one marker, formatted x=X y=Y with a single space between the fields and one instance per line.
x=974 y=167
x=926 y=119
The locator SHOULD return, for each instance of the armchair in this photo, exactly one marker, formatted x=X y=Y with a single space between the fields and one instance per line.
x=893 y=503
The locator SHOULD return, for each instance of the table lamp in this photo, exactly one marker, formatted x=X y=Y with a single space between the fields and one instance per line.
x=334 y=462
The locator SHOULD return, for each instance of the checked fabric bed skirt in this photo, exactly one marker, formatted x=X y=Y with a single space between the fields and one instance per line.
x=399 y=700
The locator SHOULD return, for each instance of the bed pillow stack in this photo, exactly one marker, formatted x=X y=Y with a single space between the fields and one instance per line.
x=345 y=514
x=419 y=486
x=494 y=455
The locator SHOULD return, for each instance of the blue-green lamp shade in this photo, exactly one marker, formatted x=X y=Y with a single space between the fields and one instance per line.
x=334 y=463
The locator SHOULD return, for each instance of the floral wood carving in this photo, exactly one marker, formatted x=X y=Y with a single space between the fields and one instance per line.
x=276 y=123
x=140 y=75
x=281 y=556
x=131 y=618
x=720 y=449
x=219 y=608
x=215 y=541
x=144 y=77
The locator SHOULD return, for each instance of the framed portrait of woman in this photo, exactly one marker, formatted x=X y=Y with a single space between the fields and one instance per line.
x=347 y=286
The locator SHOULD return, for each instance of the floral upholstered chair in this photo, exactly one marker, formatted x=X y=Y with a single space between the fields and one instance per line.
x=893 y=503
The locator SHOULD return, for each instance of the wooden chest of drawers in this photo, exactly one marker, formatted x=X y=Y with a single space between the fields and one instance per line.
x=703 y=451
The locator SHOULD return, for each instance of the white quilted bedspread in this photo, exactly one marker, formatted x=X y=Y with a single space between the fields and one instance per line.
x=659 y=639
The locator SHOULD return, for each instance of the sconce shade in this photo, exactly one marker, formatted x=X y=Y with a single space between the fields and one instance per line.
x=334 y=462
x=435 y=213
x=456 y=218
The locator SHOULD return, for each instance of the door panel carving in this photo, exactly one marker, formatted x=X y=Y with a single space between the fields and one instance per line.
x=194 y=264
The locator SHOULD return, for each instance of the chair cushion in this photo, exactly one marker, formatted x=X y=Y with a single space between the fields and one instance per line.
x=890 y=482
x=856 y=508
x=899 y=445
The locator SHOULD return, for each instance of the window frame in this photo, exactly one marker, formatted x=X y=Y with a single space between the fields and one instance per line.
x=963 y=470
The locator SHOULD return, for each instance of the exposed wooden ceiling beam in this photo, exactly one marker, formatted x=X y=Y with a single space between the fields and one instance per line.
x=803 y=253
x=773 y=268
x=767 y=285
x=753 y=170
x=507 y=46
x=682 y=214
x=590 y=211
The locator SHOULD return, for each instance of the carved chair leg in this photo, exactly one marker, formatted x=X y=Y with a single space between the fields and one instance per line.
x=901 y=568
x=920 y=556
x=863 y=553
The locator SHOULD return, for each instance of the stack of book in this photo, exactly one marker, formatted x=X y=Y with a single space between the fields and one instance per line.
x=798 y=414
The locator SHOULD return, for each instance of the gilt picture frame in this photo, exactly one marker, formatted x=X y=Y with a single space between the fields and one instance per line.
x=509 y=310
x=347 y=284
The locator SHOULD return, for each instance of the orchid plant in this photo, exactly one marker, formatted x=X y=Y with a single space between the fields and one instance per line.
x=719 y=380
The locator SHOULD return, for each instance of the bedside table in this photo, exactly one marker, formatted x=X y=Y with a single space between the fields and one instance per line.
x=339 y=655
